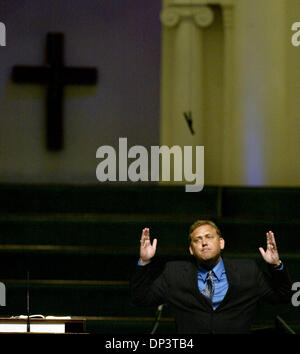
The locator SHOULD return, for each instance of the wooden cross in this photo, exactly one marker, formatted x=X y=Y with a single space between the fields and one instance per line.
x=55 y=76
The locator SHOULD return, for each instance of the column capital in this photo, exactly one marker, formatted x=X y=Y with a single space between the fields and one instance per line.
x=202 y=16
x=228 y=14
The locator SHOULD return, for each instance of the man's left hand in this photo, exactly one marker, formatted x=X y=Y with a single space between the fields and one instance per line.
x=271 y=255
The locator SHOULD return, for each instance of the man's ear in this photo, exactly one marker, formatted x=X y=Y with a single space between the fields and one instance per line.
x=222 y=243
x=191 y=250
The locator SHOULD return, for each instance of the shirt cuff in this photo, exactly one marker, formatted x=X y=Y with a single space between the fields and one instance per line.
x=279 y=268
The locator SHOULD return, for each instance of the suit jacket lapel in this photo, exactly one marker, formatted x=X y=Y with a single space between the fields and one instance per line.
x=233 y=278
x=194 y=285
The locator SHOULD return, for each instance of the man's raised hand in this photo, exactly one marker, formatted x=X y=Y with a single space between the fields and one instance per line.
x=147 y=251
x=271 y=255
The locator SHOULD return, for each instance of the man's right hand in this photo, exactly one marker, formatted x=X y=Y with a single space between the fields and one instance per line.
x=147 y=251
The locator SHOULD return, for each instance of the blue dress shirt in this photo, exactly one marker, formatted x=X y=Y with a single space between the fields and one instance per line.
x=220 y=281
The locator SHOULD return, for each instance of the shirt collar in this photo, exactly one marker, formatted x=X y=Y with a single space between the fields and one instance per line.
x=218 y=270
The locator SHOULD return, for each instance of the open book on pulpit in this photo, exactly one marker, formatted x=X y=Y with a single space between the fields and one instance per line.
x=41 y=324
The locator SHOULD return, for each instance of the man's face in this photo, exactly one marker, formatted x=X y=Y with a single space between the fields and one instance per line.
x=206 y=245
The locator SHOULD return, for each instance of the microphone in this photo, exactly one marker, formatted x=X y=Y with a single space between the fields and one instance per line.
x=28 y=302
x=157 y=318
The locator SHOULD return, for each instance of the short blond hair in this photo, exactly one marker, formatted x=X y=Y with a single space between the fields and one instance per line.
x=199 y=223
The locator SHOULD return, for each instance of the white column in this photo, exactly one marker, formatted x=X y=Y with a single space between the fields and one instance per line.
x=181 y=87
x=229 y=80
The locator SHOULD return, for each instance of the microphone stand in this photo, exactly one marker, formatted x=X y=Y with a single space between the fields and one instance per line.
x=28 y=303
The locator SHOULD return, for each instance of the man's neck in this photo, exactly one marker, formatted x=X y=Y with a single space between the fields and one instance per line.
x=209 y=264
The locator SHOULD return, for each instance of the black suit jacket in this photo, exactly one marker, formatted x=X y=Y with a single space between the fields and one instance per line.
x=177 y=286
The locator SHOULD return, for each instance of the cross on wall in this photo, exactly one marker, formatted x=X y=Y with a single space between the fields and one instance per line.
x=55 y=75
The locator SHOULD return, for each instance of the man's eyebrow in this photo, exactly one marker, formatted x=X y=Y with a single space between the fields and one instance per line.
x=199 y=236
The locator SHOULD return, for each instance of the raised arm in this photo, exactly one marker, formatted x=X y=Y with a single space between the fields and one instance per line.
x=271 y=255
x=146 y=289
x=147 y=250
x=277 y=289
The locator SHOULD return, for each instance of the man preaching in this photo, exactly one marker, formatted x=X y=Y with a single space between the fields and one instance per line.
x=209 y=293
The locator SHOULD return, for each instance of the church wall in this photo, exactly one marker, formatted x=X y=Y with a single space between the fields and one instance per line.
x=122 y=40
x=255 y=142
x=250 y=103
